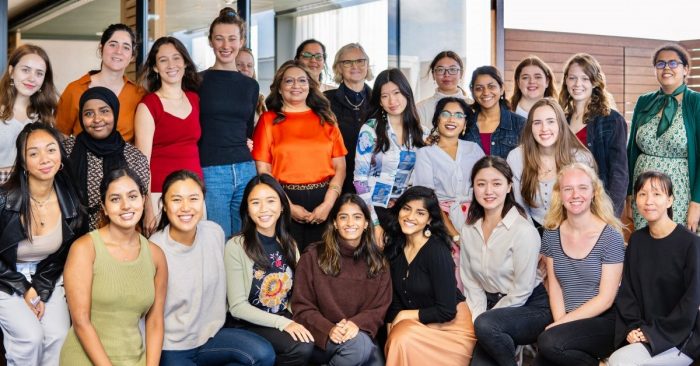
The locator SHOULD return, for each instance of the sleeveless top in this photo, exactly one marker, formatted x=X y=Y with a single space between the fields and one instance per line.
x=122 y=294
x=174 y=140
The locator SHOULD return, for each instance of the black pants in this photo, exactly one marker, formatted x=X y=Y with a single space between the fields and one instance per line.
x=289 y=352
x=305 y=234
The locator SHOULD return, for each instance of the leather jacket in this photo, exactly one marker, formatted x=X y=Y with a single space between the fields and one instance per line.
x=49 y=270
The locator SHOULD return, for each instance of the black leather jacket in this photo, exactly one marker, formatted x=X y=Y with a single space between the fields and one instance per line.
x=48 y=270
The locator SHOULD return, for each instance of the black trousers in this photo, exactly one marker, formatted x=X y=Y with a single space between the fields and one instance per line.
x=305 y=234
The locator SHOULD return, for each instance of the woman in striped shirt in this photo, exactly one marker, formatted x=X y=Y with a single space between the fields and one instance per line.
x=584 y=250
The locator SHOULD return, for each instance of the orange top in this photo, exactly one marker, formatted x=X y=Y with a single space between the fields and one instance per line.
x=67 y=110
x=299 y=148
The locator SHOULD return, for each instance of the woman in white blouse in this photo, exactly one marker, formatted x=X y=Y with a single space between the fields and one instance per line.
x=546 y=145
x=498 y=259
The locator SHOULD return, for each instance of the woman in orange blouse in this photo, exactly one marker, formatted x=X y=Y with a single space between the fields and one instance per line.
x=298 y=142
x=117 y=48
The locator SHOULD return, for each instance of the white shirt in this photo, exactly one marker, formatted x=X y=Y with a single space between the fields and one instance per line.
x=507 y=263
x=426 y=107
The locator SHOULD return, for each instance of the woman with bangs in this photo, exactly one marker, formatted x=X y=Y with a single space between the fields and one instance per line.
x=447 y=69
x=589 y=108
x=386 y=147
x=546 y=146
x=534 y=80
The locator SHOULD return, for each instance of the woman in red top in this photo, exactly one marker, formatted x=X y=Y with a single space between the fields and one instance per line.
x=167 y=119
x=298 y=142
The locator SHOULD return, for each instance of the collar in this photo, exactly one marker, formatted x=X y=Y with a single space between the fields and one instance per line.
x=459 y=94
x=506 y=122
x=87 y=79
x=507 y=221
x=346 y=250
x=69 y=207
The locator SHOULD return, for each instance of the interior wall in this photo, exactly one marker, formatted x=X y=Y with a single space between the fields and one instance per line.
x=69 y=59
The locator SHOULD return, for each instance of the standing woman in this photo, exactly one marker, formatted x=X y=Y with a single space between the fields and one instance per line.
x=493 y=126
x=245 y=63
x=167 y=119
x=117 y=48
x=260 y=264
x=195 y=308
x=99 y=149
x=299 y=143
x=500 y=249
x=229 y=100
x=312 y=54
x=350 y=102
x=534 y=80
x=665 y=136
x=658 y=328
x=40 y=216
x=588 y=108
x=447 y=69
x=386 y=147
x=584 y=251
x=429 y=321
x=114 y=278
x=546 y=146
x=27 y=94
x=344 y=288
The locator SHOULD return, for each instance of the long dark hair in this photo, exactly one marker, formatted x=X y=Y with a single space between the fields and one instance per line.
x=19 y=181
x=109 y=178
x=300 y=49
x=413 y=133
x=367 y=251
x=117 y=27
x=441 y=105
x=395 y=238
x=251 y=243
x=314 y=100
x=172 y=178
x=149 y=78
x=496 y=75
x=476 y=210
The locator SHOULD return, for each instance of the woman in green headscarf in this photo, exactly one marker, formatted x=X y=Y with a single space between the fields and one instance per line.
x=665 y=135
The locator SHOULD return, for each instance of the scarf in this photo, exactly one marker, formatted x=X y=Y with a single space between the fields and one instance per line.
x=666 y=103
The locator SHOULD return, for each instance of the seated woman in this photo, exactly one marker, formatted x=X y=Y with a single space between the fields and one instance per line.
x=430 y=324
x=584 y=251
x=500 y=249
x=260 y=264
x=657 y=306
x=195 y=309
x=40 y=217
x=99 y=149
x=343 y=287
x=114 y=277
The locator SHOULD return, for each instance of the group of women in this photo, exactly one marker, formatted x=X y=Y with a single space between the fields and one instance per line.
x=345 y=220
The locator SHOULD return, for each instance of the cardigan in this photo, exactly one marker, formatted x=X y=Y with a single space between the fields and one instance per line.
x=691 y=114
x=239 y=277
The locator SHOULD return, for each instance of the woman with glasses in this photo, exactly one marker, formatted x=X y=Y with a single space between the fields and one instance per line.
x=299 y=143
x=534 y=81
x=493 y=126
x=312 y=54
x=447 y=70
x=665 y=136
x=350 y=102
x=589 y=110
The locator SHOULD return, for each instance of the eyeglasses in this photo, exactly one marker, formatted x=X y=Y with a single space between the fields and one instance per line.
x=300 y=81
x=451 y=71
x=459 y=116
x=359 y=62
x=671 y=64
x=309 y=55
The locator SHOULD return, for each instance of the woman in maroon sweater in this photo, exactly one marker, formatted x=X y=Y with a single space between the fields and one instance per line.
x=342 y=287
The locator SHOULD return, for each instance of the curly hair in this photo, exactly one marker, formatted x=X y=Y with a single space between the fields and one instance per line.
x=600 y=102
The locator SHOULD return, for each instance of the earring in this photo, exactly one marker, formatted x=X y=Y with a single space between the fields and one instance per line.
x=12 y=82
x=60 y=167
x=427 y=231
x=464 y=131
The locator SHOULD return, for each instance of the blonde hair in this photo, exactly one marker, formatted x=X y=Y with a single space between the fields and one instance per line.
x=338 y=68
x=601 y=205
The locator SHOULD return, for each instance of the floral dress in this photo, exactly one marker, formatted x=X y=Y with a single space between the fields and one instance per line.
x=666 y=154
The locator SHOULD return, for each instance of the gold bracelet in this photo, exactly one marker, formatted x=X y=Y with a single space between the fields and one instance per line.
x=335 y=188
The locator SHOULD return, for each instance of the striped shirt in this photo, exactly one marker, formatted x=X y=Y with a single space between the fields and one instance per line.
x=580 y=278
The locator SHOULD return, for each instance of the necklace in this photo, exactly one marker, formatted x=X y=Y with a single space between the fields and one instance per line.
x=355 y=107
x=40 y=205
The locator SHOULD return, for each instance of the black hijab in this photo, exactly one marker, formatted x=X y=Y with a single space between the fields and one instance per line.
x=110 y=149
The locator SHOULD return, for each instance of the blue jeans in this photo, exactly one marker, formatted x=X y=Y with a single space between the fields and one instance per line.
x=359 y=351
x=230 y=346
x=225 y=185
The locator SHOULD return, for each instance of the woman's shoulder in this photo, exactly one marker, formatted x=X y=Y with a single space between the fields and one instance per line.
x=515 y=156
x=212 y=230
x=370 y=125
x=68 y=144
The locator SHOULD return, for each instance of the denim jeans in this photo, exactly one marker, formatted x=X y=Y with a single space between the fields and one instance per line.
x=228 y=347
x=359 y=351
x=499 y=331
x=225 y=185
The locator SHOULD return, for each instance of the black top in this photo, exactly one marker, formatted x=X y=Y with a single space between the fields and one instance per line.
x=660 y=291
x=350 y=119
x=271 y=286
x=227 y=101
x=427 y=284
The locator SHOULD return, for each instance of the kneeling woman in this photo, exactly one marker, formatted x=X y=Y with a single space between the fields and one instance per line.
x=260 y=266
x=343 y=287
x=430 y=322
x=658 y=328
x=584 y=251
x=195 y=309
x=114 y=277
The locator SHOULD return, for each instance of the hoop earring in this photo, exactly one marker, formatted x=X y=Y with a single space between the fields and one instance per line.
x=60 y=167
x=427 y=231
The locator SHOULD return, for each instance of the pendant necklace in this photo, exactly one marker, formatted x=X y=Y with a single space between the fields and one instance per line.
x=355 y=107
x=40 y=205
